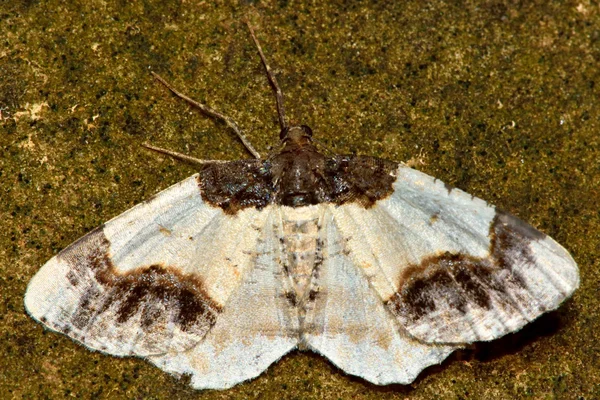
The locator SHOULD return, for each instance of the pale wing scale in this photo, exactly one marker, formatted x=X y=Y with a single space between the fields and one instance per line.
x=349 y=324
x=452 y=268
x=149 y=281
x=256 y=327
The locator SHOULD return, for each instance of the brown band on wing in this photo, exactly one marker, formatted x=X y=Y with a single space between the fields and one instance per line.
x=159 y=295
x=236 y=185
x=359 y=179
x=510 y=238
x=455 y=281
x=296 y=179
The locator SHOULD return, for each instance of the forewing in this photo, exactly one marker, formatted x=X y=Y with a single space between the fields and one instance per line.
x=450 y=267
x=347 y=322
x=256 y=328
x=152 y=280
x=358 y=179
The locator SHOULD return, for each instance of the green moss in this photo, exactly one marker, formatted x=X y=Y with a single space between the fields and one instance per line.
x=497 y=98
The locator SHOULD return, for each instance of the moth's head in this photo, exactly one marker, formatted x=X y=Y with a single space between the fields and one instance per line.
x=298 y=135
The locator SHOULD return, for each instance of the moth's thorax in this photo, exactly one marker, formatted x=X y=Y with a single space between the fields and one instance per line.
x=298 y=173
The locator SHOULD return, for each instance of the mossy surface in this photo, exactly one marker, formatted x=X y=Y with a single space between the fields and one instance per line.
x=501 y=99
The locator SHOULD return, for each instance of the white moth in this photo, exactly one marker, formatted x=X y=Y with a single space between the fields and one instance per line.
x=380 y=268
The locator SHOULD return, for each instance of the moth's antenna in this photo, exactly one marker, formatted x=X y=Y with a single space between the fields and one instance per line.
x=182 y=157
x=211 y=113
x=272 y=81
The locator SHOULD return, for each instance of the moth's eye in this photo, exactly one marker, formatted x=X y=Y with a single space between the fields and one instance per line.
x=307 y=130
x=283 y=133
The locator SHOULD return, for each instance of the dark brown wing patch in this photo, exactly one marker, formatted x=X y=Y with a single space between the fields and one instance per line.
x=296 y=178
x=453 y=290
x=360 y=179
x=236 y=185
x=148 y=302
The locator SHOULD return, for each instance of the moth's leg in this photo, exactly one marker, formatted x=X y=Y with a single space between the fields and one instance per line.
x=182 y=157
x=210 y=112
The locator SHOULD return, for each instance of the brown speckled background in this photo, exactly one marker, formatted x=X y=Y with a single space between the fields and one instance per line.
x=499 y=98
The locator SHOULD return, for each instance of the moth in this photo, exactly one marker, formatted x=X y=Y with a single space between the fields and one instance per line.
x=380 y=268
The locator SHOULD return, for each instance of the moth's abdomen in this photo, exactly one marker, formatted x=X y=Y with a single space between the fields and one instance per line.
x=302 y=249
